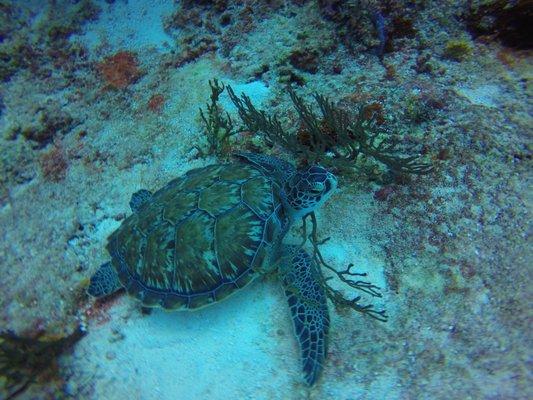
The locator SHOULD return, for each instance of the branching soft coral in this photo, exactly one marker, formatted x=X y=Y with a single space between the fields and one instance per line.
x=335 y=137
x=347 y=276
x=219 y=126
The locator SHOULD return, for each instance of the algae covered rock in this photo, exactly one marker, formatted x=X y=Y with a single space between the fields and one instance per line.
x=29 y=358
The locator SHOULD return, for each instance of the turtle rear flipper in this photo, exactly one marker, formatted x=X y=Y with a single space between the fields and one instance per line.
x=309 y=310
x=104 y=282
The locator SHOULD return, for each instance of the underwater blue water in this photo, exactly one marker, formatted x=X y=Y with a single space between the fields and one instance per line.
x=404 y=127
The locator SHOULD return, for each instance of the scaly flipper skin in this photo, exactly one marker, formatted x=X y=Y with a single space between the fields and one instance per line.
x=104 y=282
x=301 y=279
x=140 y=198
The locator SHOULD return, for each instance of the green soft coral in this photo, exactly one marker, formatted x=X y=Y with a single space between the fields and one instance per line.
x=335 y=137
x=218 y=125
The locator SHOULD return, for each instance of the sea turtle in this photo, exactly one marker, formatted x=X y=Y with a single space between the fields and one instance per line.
x=212 y=231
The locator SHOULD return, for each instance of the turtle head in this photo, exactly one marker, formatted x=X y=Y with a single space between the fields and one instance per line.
x=308 y=189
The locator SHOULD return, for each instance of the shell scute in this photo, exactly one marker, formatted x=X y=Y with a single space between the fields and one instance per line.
x=179 y=206
x=171 y=301
x=238 y=173
x=239 y=234
x=257 y=194
x=158 y=267
x=219 y=197
x=200 y=178
x=196 y=264
x=149 y=218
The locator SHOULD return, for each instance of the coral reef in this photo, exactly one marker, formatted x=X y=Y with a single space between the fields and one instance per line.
x=457 y=50
x=304 y=60
x=509 y=21
x=365 y=25
x=347 y=276
x=42 y=47
x=54 y=164
x=43 y=124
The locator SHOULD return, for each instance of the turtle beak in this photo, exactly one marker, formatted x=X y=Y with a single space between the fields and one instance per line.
x=331 y=185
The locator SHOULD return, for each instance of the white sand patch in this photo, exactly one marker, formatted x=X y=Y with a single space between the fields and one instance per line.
x=360 y=254
x=257 y=91
x=229 y=350
x=135 y=25
x=484 y=95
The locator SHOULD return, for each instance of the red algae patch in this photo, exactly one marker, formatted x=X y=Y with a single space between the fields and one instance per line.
x=120 y=70
x=54 y=164
x=156 y=103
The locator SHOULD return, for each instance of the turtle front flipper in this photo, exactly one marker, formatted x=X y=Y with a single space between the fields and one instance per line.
x=104 y=282
x=140 y=198
x=301 y=279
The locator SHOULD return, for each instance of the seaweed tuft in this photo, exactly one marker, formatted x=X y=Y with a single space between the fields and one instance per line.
x=218 y=126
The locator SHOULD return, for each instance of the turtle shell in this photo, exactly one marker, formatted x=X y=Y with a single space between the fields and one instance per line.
x=199 y=238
